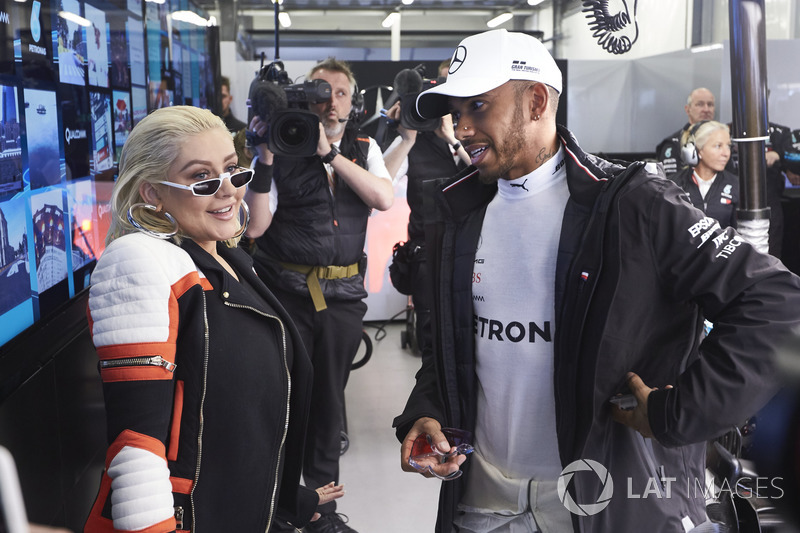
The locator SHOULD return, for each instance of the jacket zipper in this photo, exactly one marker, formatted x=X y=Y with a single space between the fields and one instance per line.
x=155 y=360
x=200 y=429
x=288 y=403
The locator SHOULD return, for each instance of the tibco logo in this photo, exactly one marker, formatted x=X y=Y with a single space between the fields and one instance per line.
x=74 y=134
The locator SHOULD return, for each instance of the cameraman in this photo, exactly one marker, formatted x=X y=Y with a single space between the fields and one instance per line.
x=422 y=155
x=309 y=221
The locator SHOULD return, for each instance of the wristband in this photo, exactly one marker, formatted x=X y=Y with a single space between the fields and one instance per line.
x=456 y=146
x=330 y=155
x=262 y=178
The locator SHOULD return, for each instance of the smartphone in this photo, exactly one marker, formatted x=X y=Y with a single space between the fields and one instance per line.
x=13 y=518
x=626 y=402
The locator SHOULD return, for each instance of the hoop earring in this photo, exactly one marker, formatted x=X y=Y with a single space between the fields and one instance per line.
x=158 y=235
x=246 y=220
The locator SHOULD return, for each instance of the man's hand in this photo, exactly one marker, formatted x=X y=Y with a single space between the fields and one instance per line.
x=260 y=128
x=445 y=130
x=433 y=428
x=636 y=418
x=771 y=158
x=409 y=136
x=323 y=145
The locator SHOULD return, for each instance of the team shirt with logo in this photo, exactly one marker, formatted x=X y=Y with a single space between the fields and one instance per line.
x=514 y=323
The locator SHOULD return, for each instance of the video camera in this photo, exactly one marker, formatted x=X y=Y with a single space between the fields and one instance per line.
x=407 y=85
x=293 y=130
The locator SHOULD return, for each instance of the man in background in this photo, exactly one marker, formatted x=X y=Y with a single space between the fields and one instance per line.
x=232 y=123
x=422 y=155
x=309 y=222
x=699 y=106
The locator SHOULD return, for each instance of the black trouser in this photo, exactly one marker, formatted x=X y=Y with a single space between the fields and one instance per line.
x=331 y=338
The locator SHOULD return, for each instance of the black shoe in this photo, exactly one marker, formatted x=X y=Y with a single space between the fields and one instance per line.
x=330 y=523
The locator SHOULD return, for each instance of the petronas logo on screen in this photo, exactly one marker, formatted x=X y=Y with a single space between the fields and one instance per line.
x=36 y=27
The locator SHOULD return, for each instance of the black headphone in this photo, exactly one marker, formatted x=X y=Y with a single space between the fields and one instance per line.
x=357 y=110
x=689 y=150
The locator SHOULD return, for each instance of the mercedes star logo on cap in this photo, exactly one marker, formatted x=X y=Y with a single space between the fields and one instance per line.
x=458 y=59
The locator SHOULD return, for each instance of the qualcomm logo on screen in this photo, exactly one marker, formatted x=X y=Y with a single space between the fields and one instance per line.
x=4 y=18
x=74 y=134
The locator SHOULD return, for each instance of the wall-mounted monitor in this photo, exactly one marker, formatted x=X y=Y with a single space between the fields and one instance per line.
x=75 y=77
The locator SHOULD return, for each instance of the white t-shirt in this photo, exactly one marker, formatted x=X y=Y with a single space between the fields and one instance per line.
x=703 y=185
x=375 y=165
x=513 y=290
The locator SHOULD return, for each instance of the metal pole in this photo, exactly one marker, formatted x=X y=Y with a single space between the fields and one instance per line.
x=749 y=93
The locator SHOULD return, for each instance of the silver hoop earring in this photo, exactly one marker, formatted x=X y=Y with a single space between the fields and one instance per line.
x=158 y=235
x=246 y=221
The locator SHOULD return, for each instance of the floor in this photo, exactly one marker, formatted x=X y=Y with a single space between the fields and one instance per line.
x=380 y=497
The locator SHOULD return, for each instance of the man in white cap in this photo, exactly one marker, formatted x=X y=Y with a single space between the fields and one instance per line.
x=563 y=282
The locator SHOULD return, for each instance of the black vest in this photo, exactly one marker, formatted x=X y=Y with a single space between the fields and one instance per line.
x=313 y=227
x=430 y=158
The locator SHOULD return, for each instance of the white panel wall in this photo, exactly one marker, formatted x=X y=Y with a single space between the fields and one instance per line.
x=663 y=27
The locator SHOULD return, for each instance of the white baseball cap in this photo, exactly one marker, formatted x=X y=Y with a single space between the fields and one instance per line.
x=486 y=61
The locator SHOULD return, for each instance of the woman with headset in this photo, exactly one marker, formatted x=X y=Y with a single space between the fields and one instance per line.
x=711 y=188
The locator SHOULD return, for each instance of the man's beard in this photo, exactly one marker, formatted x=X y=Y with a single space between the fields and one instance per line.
x=333 y=128
x=513 y=143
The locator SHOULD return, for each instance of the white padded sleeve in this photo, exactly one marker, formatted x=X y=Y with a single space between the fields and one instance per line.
x=141 y=490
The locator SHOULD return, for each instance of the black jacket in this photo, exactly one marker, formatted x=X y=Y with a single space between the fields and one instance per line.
x=668 y=152
x=218 y=417
x=722 y=199
x=637 y=269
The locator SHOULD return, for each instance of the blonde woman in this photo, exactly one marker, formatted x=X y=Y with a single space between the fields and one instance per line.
x=206 y=381
x=710 y=187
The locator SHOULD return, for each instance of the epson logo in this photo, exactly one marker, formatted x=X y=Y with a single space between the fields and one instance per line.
x=74 y=134
x=4 y=18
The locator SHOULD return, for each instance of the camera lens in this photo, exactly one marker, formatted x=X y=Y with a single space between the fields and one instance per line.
x=293 y=132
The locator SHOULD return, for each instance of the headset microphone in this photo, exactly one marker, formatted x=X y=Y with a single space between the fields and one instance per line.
x=344 y=119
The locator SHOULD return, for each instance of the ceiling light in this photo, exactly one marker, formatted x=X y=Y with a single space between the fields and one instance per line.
x=391 y=19
x=408 y=2
x=534 y=2
x=156 y=1
x=499 y=19
x=279 y=2
x=284 y=19
x=191 y=17
x=72 y=17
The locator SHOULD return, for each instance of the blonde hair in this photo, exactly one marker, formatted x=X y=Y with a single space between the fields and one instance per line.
x=151 y=148
x=702 y=132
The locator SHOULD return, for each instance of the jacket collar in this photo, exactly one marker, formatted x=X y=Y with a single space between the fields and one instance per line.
x=587 y=175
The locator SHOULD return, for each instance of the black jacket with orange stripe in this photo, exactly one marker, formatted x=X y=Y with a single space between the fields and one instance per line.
x=200 y=373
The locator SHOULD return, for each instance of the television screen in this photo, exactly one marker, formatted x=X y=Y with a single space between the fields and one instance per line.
x=33 y=43
x=41 y=122
x=75 y=76
x=123 y=120
x=16 y=303
x=10 y=142
x=71 y=44
x=97 y=47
